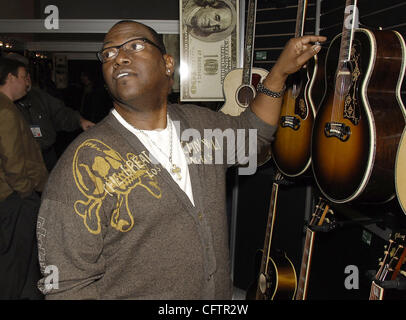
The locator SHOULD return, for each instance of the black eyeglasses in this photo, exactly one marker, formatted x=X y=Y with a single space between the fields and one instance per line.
x=131 y=46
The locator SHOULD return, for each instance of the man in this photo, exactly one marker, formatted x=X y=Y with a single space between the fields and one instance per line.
x=22 y=174
x=135 y=220
x=95 y=102
x=209 y=20
x=46 y=115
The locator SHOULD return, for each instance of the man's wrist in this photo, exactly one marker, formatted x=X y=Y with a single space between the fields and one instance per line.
x=275 y=81
x=274 y=94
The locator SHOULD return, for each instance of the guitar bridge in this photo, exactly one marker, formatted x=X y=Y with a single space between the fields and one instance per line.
x=338 y=130
x=291 y=122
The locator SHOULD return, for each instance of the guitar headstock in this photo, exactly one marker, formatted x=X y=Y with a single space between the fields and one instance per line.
x=390 y=266
x=323 y=215
x=392 y=262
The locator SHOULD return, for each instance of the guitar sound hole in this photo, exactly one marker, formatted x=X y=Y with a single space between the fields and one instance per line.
x=245 y=96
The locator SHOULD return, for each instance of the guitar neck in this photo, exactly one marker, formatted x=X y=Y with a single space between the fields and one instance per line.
x=305 y=266
x=350 y=16
x=300 y=18
x=268 y=234
x=376 y=292
x=249 y=42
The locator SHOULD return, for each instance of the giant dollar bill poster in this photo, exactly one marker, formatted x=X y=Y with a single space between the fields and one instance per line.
x=209 y=47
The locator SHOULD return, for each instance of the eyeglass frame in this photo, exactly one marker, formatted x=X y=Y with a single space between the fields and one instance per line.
x=99 y=53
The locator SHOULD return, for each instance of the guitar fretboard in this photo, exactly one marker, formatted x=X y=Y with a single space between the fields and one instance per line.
x=348 y=30
x=318 y=218
x=300 y=18
x=268 y=237
x=249 y=42
x=376 y=292
x=305 y=266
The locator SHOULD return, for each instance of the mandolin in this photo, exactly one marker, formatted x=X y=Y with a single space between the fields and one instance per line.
x=239 y=85
x=277 y=276
x=291 y=147
x=360 y=118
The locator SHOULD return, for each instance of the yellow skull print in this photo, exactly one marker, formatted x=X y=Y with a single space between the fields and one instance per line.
x=104 y=173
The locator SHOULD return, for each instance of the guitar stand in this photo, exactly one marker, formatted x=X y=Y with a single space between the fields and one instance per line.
x=399 y=283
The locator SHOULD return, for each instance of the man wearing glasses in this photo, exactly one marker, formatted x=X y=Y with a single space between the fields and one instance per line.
x=135 y=219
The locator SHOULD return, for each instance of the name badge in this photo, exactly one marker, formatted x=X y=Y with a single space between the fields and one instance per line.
x=36 y=131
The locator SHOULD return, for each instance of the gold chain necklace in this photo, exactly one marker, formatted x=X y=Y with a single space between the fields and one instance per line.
x=174 y=169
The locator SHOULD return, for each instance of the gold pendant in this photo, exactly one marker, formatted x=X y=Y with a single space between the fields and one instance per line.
x=176 y=170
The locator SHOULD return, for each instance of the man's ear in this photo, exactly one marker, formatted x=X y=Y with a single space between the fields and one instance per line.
x=10 y=78
x=169 y=64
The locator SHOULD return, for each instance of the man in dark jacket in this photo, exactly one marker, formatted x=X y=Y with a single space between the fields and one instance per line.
x=22 y=175
x=46 y=115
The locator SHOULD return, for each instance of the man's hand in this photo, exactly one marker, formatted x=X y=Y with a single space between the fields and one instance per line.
x=296 y=53
x=86 y=124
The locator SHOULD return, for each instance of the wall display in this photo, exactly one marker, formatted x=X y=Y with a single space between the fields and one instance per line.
x=360 y=119
x=291 y=147
x=209 y=47
x=240 y=84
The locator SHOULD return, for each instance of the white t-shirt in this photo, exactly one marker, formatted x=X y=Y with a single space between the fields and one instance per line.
x=161 y=138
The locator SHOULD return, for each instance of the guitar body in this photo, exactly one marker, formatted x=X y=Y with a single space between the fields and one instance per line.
x=358 y=124
x=400 y=172
x=291 y=147
x=280 y=282
x=284 y=281
x=238 y=95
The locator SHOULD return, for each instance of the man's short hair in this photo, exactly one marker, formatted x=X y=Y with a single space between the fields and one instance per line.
x=19 y=57
x=156 y=37
x=9 y=66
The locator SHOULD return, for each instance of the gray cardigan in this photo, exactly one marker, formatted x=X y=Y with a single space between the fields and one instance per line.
x=114 y=225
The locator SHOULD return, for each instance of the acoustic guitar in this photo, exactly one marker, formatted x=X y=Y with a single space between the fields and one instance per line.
x=322 y=216
x=400 y=172
x=360 y=119
x=391 y=273
x=277 y=276
x=240 y=85
x=291 y=147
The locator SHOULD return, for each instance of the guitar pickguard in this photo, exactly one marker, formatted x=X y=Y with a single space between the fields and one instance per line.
x=351 y=104
x=301 y=109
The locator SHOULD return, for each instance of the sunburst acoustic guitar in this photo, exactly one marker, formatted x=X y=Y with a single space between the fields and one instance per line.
x=291 y=147
x=360 y=119
x=277 y=276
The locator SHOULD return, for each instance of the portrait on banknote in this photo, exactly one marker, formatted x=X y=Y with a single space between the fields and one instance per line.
x=209 y=47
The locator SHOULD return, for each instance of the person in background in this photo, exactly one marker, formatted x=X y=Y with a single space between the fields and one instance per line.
x=46 y=115
x=95 y=101
x=22 y=176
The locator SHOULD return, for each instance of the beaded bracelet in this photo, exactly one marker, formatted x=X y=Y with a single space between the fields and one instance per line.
x=261 y=88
